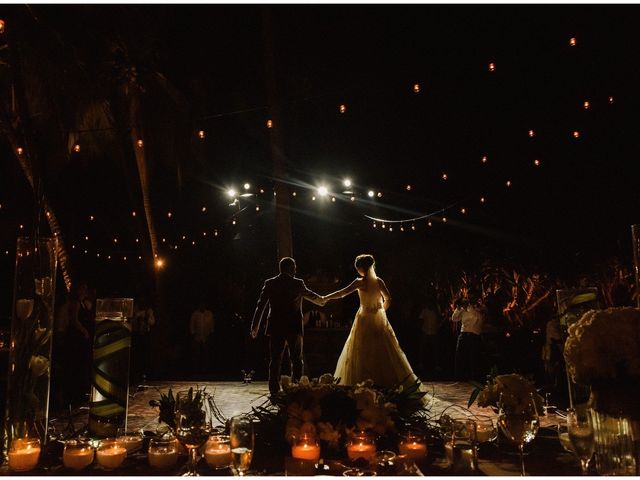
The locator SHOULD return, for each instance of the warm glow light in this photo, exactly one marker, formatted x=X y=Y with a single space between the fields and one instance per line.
x=371 y=193
x=346 y=182
x=353 y=199
x=231 y=193
x=572 y=41
x=444 y=176
x=413 y=227
x=586 y=105
x=492 y=67
x=86 y=237
x=416 y=88
x=379 y=194
x=115 y=240
x=19 y=150
x=233 y=223
x=482 y=199
x=247 y=186
x=536 y=162
x=159 y=263
x=463 y=210
x=576 y=134
x=444 y=219
x=343 y=108
x=294 y=194
x=313 y=198
x=91 y=218
x=532 y=133
x=201 y=134
x=610 y=99
x=76 y=148
x=484 y=159
x=133 y=214
x=402 y=228
x=204 y=209
x=257 y=208
x=140 y=143
x=508 y=183
x=333 y=199
x=1 y=26
x=269 y=123
x=323 y=191
x=408 y=188
x=169 y=214
x=374 y=225
x=429 y=223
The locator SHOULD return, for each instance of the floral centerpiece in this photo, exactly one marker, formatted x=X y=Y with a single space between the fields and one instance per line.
x=603 y=351
x=331 y=412
x=512 y=392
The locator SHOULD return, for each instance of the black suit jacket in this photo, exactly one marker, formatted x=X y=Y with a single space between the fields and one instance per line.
x=283 y=294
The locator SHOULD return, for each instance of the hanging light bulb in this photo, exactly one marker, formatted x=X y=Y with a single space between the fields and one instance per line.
x=402 y=228
x=463 y=210
x=576 y=134
x=379 y=194
x=233 y=223
x=573 y=42
x=416 y=88
x=333 y=199
x=536 y=162
x=204 y=209
x=91 y=217
x=20 y=150
x=201 y=134
x=115 y=240
x=269 y=123
x=133 y=214
x=586 y=105
x=257 y=208
x=444 y=219
x=140 y=143
x=294 y=194
x=76 y=148
x=247 y=186
x=484 y=159
x=169 y=214
x=374 y=225
x=492 y=67
x=445 y=176
x=159 y=263
x=531 y=134
x=508 y=184
x=353 y=199
x=610 y=99
x=323 y=191
x=371 y=193
x=408 y=188
x=413 y=227
x=343 y=108
x=347 y=182
x=482 y=199
x=391 y=229
x=429 y=223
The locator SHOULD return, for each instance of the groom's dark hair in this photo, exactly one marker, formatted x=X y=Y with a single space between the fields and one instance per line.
x=287 y=265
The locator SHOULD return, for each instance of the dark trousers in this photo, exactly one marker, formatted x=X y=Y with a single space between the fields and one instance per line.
x=277 y=344
x=468 y=360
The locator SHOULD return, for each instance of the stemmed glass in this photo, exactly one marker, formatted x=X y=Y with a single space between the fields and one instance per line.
x=581 y=435
x=519 y=426
x=241 y=437
x=193 y=425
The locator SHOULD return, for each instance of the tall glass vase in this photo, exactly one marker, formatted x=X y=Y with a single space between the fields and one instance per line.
x=635 y=238
x=110 y=368
x=27 y=406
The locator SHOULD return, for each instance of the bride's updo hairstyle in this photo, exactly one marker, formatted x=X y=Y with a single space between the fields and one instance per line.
x=364 y=263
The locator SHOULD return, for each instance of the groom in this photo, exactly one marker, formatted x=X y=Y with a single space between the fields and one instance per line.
x=284 y=294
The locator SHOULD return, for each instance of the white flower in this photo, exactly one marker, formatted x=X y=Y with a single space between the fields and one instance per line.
x=39 y=365
x=325 y=379
x=285 y=381
x=304 y=381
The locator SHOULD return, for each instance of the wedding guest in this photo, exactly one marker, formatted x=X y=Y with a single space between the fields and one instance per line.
x=201 y=327
x=471 y=314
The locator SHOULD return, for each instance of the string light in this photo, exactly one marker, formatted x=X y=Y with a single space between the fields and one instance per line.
x=445 y=176
x=508 y=184
x=401 y=228
x=416 y=88
x=92 y=218
x=576 y=134
x=347 y=182
x=164 y=240
x=257 y=208
x=76 y=148
x=19 y=150
x=133 y=214
x=536 y=162
x=313 y=198
x=323 y=191
x=482 y=199
x=586 y=105
x=231 y=193
x=86 y=237
x=492 y=67
x=532 y=133
x=429 y=223
x=138 y=240
x=247 y=186
x=444 y=219
x=115 y=240
x=610 y=99
x=204 y=209
x=573 y=42
x=140 y=143
x=294 y=194
x=201 y=134
x=333 y=199
x=484 y=159
x=234 y=222
x=343 y=108
x=261 y=190
x=169 y=214
x=463 y=210
x=21 y=227
x=384 y=226
x=391 y=229
x=371 y=193
x=413 y=227
x=379 y=194
x=408 y=188
x=374 y=225
x=353 y=199
x=269 y=123
x=159 y=263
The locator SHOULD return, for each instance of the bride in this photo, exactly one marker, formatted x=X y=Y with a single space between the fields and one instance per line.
x=371 y=350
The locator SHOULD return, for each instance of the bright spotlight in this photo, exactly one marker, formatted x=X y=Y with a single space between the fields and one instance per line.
x=323 y=191
x=247 y=186
x=371 y=193
x=232 y=193
x=159 y=263
x=347 y=182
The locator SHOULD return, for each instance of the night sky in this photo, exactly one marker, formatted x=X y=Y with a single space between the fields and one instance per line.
x=564 y=216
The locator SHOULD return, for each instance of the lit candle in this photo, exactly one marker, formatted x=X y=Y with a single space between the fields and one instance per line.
x=77 y=456
x=413 y=446
x=361 y=450
x=111 y=455
x=163 y=453
x=218 y=452
x=306 y=451
x=24 y=454
x=132 y=442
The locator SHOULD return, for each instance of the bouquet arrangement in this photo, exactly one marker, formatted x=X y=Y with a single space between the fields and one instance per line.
x=331 y=412
x=604 y=346
x=514 y=391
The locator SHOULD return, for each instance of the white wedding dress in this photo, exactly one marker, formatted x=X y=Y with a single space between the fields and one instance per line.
x=372 y=350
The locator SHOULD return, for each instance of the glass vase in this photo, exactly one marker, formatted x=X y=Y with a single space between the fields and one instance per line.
x=615 y=450
x=110 y=369
x=27 y=399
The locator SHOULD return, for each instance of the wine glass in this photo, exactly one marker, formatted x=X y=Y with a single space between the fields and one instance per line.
x=193 y=425
x=581 y=435
x=519 y=426
x=241 y=437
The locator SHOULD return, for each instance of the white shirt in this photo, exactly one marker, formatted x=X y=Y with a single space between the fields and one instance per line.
x=201 y=325
x=471 y=317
